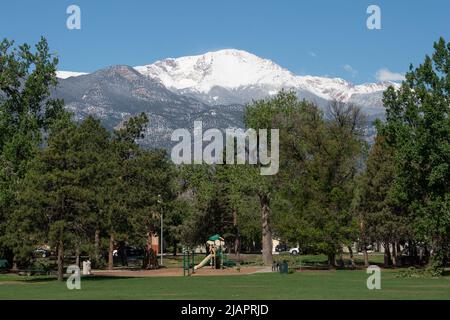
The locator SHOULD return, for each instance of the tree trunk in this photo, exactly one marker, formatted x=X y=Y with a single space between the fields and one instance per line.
x=352 y=260
x=123 y=254
x=153 y=259
x=77 y=256
x=332 y=260
x=366 y=256
x=237 y=247
x=266 y=232
x=174 y=250
x=363 y=234
x=96 y=248
x=111 y=251
x=148 y=248
x=146 y=259
x=237 y=238
x=60 y=250
x=15 y=265
x=421 y=255
x=394 y=254
x=387 y=254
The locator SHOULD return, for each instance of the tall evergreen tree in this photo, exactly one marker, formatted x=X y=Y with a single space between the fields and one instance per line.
x=381 y=218
x=58 y=201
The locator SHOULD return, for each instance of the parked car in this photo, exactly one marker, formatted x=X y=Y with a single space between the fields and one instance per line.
x=294 y=251
x=41 y=252
x=282 y=248
x=130 y=252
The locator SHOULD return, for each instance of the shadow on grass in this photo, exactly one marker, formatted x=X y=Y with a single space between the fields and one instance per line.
x=26 y=279
x=41 y=279
x=105 y=277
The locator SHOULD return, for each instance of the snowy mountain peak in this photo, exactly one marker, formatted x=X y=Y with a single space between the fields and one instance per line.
x=228 y=68
x=236 y=71
x=68 y=74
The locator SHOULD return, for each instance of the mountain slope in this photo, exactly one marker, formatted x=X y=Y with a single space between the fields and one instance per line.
x=118 y=92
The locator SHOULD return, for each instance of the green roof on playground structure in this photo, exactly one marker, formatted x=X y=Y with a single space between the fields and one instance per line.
x=214 y=237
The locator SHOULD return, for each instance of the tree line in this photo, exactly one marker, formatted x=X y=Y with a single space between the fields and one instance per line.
x=78 y=187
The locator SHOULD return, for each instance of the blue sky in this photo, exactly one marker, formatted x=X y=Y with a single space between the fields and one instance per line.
x=307 y=37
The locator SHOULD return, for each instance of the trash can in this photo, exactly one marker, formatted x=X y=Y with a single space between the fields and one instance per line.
x=86 y=267
x=284 y=267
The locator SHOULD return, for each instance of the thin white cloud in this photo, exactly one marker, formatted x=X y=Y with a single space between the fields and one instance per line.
x=350 y=70
x=312 y=54
x=385 y=74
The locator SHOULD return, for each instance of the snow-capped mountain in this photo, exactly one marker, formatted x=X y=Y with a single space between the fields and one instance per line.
x=236 y=76
x=212 y=87
x=233 y=76
x=68 y=74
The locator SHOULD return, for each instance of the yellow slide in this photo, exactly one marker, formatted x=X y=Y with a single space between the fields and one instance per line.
x=204 y=261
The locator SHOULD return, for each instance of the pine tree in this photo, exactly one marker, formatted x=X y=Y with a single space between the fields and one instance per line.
x=58 y=200
x=381 y=217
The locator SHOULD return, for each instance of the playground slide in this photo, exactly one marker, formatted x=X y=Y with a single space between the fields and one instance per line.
x=204 y=261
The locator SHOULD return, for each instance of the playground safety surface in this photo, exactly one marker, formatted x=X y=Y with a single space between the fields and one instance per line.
x=174 y=272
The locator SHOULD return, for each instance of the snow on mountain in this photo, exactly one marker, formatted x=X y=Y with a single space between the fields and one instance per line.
x=69 y=74
x=233 y=76
x=224 y=68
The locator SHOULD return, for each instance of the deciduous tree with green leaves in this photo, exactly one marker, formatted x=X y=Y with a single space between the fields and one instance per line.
x=26 y=112
x=418 y=127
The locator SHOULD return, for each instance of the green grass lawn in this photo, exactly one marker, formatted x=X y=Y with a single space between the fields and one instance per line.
x=304 y=285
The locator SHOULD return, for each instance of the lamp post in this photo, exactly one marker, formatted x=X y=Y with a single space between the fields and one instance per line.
x=161 y=215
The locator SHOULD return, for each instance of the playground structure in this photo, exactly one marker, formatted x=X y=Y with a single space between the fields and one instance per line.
x=216 y=256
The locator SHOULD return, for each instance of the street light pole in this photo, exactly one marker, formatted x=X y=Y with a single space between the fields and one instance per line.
x=161 y=235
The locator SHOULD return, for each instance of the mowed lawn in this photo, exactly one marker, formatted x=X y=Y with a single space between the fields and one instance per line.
x=300 y=285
